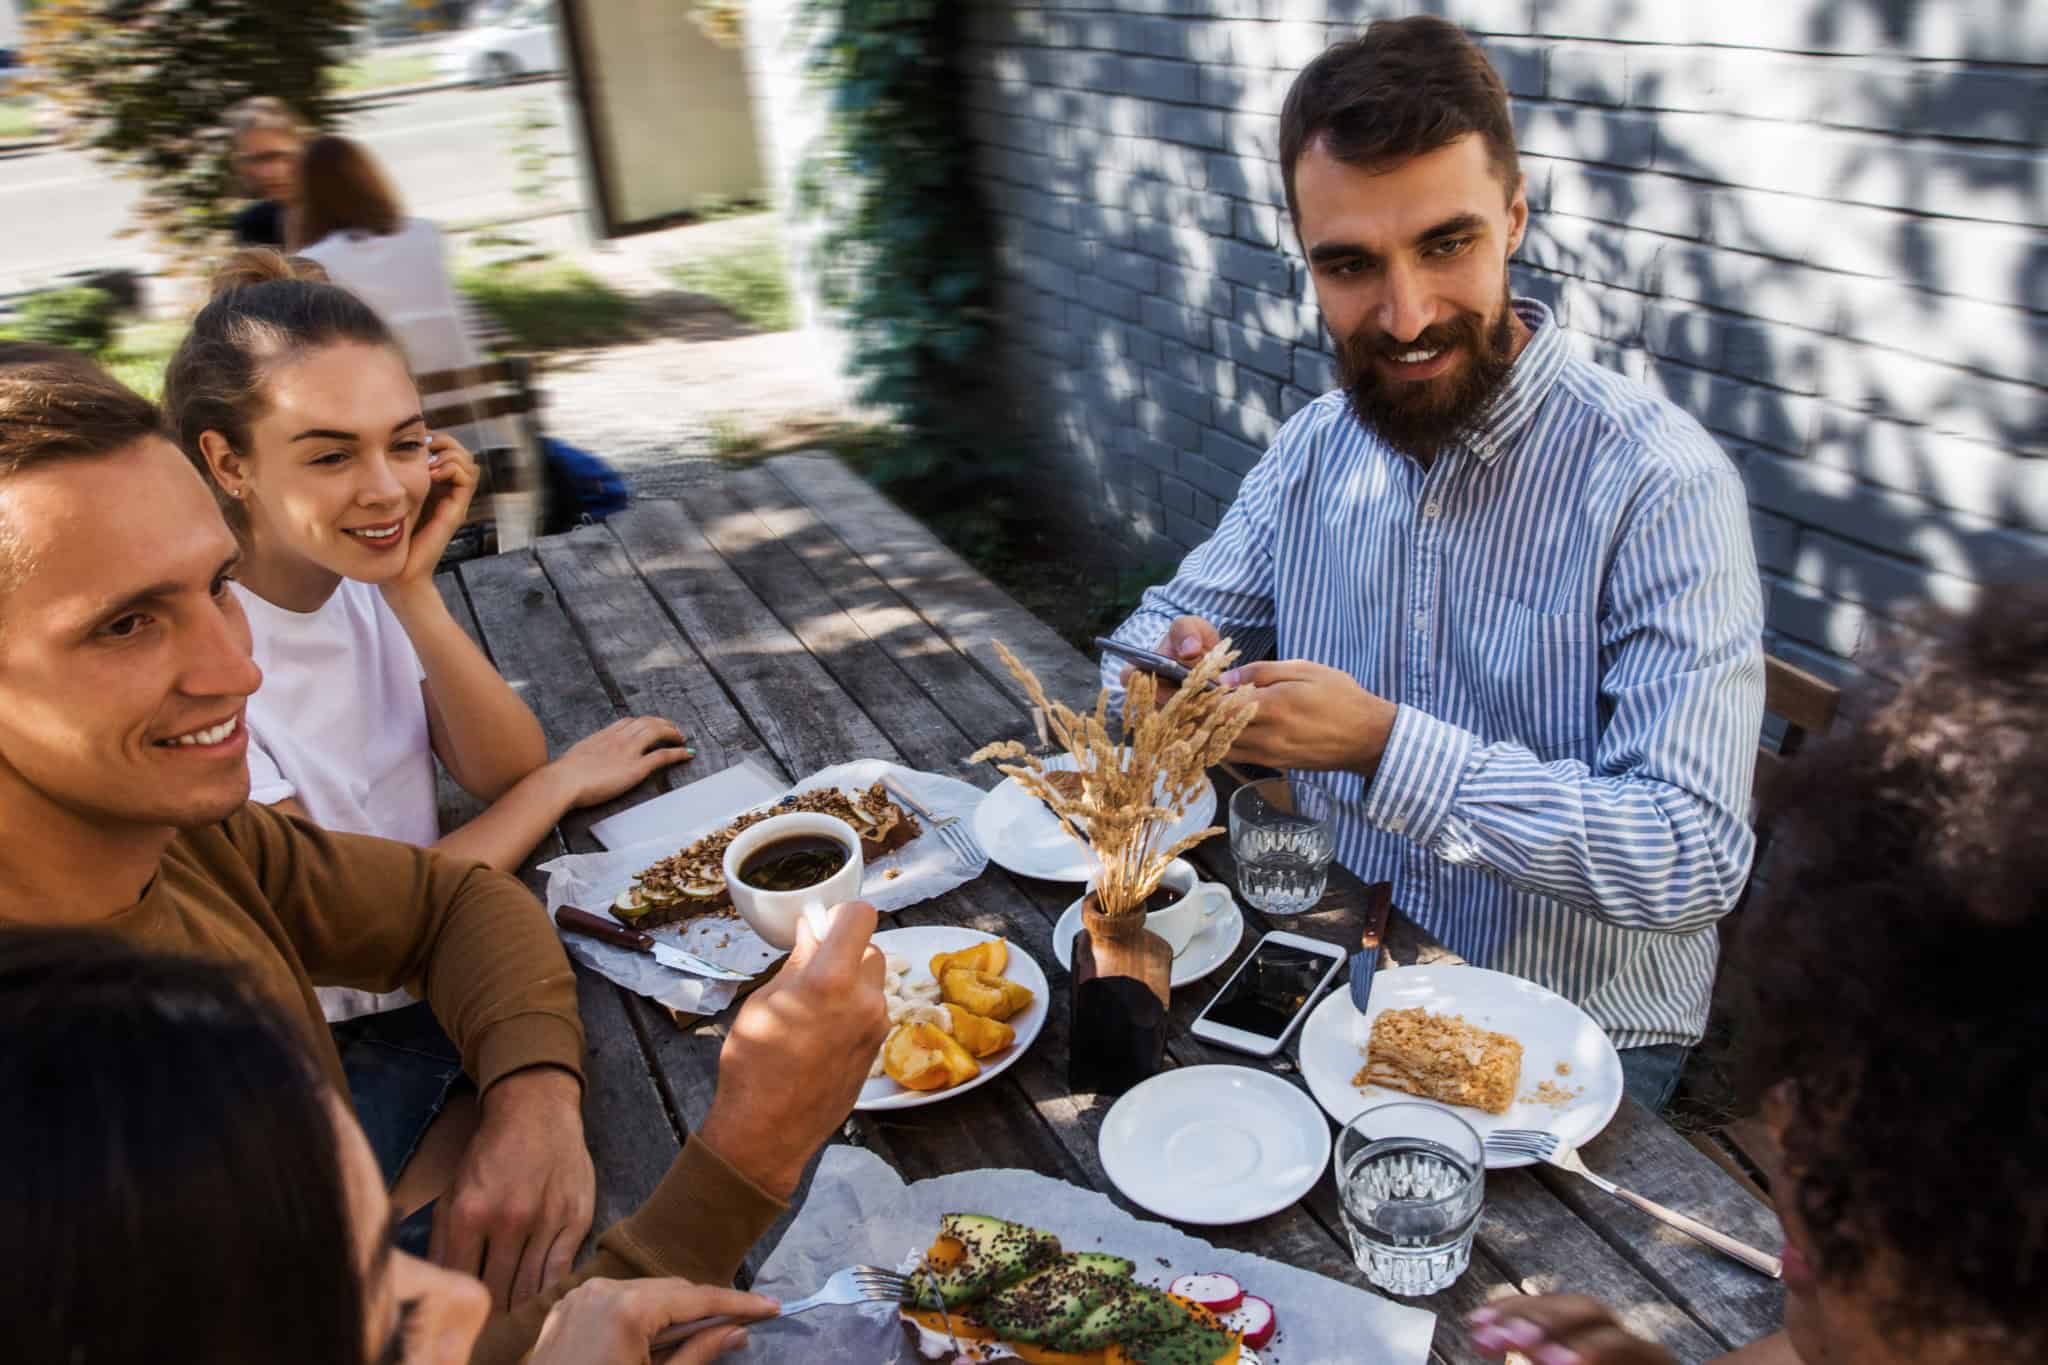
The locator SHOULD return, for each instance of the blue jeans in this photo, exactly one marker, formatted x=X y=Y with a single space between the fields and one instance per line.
x=1649 y=1075
x=402 y=1071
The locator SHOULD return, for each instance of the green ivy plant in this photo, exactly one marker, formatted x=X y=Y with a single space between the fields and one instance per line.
x=904 y=259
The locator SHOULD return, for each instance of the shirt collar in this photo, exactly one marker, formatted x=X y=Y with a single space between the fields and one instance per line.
x=1529 y=381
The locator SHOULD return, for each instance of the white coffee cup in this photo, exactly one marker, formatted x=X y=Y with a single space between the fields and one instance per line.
x=774 y=914
x=1200 y=905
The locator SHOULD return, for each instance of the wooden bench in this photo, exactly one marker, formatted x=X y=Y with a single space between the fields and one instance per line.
x=510 y=500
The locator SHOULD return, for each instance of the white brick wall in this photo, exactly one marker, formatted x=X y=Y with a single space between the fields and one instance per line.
x=1817 y=224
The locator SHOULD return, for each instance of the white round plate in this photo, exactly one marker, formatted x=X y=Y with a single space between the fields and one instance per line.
x=1017 y=831
x=1551 y=1029
x=1214 y=1144
x=1205 y=952
x=923 y=943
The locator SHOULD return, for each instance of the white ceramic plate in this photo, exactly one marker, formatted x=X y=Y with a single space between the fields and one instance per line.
x=1205 y=952
x=921 y=944
x=1017 y=832
x=1214 y=1144
x=1551 y=1029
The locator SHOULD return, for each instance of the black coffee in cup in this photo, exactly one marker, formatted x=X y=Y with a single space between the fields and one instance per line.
x=1163 y=897
x=793 y=863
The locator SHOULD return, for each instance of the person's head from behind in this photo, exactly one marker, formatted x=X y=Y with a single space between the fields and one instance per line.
x=179 y=1183
x=124 y=660
x=343 y=189
x=1398 y=156
x=291 y=397
x=266 y=138
x=1888 y=996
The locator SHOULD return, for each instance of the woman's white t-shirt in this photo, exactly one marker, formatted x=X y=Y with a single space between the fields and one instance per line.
x=340 y=726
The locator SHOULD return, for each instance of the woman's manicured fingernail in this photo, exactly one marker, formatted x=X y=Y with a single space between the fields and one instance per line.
x=1554 y=1354
x=1231 y=679
x=1489 y=1339
x=689 y=753
x=1521 y=1332
x=1480 y=1317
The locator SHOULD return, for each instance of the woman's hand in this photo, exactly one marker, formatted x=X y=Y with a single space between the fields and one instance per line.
x=610 y=1322
x=453 y=473
x=1560 y=1329
x=618 y=758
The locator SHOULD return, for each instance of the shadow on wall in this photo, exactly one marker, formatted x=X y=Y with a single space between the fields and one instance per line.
x=1847 y=282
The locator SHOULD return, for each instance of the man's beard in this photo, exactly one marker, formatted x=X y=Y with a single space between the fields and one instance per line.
x=1421 y=417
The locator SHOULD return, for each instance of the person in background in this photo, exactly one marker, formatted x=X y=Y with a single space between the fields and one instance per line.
x=179 y=1182
x=266 y=137
x=1513 y=598
x=1888 y=1011
x=292 y=400
x=351 y=223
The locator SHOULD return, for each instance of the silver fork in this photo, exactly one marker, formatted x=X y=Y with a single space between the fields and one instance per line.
x=1534 y=1142
x=854 y=1284
x=947 y=827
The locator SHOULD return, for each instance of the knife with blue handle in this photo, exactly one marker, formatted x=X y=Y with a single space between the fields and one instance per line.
x=636 y=941
x=1379 y=903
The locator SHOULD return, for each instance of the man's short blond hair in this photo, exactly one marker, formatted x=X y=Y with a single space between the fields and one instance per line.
x=264 y=113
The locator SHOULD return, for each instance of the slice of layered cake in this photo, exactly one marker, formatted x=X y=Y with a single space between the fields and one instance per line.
x=1441 y=1057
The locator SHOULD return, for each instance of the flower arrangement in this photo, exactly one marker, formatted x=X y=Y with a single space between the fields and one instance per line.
x=1132 y=790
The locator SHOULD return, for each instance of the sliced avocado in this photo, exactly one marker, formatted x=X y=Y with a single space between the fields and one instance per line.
x=1038 y=1309
x=630 y=905
x=995 y=1254
x=1189 y=1344
x=1132 y=1312
x=1116 y=1267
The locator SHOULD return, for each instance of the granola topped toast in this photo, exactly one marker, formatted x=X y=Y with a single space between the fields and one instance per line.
x=690 y=884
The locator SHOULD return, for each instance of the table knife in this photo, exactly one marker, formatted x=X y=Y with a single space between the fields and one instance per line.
x=633 y=940
x=1379 y=902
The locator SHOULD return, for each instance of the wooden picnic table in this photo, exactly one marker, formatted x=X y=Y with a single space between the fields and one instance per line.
x=790 y=614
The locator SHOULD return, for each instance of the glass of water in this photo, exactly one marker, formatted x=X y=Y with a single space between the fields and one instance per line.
x=1281 y=838
x=1411 y=1178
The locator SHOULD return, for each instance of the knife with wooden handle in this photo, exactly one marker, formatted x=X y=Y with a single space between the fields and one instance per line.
x=610 y=931
x=1379 y=903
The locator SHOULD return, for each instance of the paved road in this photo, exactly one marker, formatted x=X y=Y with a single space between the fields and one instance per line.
x=450 y=152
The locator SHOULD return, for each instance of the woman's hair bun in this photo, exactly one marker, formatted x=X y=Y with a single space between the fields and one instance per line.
x=262 y=265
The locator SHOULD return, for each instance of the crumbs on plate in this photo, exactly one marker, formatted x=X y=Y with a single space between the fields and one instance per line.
x=1553 y=1094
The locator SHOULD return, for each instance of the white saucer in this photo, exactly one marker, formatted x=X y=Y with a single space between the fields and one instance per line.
x=1214 y=1144
x=1205 y=952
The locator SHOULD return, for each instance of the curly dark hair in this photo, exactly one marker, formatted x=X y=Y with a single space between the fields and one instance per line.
x=1892 y=974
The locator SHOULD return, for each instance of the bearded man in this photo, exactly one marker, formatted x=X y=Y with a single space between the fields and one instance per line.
x=1511 y=595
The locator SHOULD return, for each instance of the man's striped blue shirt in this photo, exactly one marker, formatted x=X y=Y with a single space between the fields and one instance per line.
x=1565 y=607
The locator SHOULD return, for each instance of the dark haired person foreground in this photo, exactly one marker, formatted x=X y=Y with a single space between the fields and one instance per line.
x=1886 y=990
x=180 y=1183
x=1512 y=595
x=125 y=674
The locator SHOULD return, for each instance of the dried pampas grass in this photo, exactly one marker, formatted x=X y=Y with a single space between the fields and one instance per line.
x=1133 y=790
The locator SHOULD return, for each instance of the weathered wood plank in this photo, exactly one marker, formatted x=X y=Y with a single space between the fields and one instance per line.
x=966 y=608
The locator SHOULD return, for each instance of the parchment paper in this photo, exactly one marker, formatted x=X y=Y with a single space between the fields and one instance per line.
x=925 y=867
x=859 y=1211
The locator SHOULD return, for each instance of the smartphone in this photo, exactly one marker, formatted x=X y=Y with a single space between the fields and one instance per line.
x=1269 y=994
x=1144 y=659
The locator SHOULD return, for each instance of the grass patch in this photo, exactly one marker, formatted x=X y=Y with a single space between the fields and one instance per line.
x=140 y=352
x=17 y=120
x=386 y=71
x=1061 y=572
x=751 y=282
x=549 y=305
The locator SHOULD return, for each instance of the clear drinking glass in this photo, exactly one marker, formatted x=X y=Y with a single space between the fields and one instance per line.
x=1412 y=1178
x=1280 y=836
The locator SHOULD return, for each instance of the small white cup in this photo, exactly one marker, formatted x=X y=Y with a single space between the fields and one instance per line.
x=1200 y=905
x=774 y=914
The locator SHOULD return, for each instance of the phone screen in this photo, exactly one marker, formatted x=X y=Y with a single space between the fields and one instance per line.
x=1269 y=990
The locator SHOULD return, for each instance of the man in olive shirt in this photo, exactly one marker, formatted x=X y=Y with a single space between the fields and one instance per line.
x=124 y=669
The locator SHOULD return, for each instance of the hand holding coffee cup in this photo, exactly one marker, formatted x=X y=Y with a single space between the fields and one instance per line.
x=790 y=868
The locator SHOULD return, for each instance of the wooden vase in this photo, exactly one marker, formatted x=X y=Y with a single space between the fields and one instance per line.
x=1123 y=975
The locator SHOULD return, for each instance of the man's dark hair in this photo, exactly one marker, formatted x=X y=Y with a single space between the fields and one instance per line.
x=1401 y=88
x=170 y=1175
x=1887 y=990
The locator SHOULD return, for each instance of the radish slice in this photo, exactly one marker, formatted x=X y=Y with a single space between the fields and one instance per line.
x=1253 y=1320
x=1217 y=1293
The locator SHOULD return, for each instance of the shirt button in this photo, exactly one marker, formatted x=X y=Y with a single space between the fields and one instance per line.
x=1395 y=824
x=1430 y=509
x=1422 y=620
